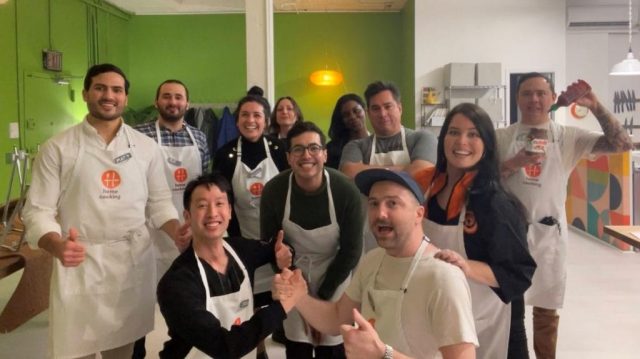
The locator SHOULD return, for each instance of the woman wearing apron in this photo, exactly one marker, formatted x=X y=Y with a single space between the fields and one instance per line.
x=481 y=229
x=248 y=163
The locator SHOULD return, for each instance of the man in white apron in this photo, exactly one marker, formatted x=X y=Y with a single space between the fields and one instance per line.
x=414 y=305
x=90 y=188
x=391 y=146
x=539 y=180
x=205 y=296
x=186 y=156
x=320 y=212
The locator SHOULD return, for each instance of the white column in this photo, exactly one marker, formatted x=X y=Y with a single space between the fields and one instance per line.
x=259 y=28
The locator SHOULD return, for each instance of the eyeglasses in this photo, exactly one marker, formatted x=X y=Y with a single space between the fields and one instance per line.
x=313 y=149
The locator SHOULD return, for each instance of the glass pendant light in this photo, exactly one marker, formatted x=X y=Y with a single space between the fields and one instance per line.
x=630 y=66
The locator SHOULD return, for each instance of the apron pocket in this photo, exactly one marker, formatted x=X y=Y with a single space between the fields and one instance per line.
x=107 y=268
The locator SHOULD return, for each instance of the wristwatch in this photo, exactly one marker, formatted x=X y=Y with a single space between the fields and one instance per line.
x=388 y=352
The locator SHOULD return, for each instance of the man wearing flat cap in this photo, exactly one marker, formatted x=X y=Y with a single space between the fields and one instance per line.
x=406 y=303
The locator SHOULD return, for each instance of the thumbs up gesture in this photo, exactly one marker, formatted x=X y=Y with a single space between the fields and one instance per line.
x=284 y=257
x=70 y=251
x=362 y=340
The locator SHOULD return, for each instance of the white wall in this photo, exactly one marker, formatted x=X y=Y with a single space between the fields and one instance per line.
x=523 y=35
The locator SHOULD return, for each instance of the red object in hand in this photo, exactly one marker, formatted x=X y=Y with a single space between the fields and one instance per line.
x=572 y=93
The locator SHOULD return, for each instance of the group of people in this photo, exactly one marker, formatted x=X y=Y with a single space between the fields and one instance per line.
x=458 y=232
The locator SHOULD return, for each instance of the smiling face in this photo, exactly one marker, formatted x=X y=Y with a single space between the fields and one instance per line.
x=307 y=167
x=209 y=213
x=172 y=102
x=535 y=98
x=394 y=216
x=106 y=97
x=251 y=121
x=463 y=146
x=286 y=113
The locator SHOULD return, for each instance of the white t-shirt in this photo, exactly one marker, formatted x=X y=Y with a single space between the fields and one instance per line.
x=575 y=143
x=436 y=311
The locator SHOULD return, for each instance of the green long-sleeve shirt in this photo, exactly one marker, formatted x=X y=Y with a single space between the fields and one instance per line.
x=311 y=210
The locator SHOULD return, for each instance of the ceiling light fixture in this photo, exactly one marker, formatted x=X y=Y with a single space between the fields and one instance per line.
x=630 y=66
x=326 y=77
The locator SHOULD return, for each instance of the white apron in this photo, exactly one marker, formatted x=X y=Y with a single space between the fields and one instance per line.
x=543 y=191
x=491 y=316
x=315 y=250
x=385 y=306
x=105 y=200
x=230 y=309
x=247 y=190
x=392 y=158
x=181 y=165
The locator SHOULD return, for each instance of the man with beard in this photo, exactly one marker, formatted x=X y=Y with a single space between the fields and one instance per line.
x=93 y=188
x=186 y=156
x=320 y=212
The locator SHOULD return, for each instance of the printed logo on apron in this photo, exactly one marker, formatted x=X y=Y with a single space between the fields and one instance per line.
x=180 y=175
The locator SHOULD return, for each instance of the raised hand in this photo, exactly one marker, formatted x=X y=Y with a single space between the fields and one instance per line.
x=361 y=341
x=70 y=252
x=284 y=258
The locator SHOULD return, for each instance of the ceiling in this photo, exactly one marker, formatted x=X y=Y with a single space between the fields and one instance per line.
x=157 y=7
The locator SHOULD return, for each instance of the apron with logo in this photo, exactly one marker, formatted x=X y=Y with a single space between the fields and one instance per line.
x=315 y=250
x=391 y=158
x=181 y=165
x=492 y=317
x=384 y=306
x=542 y=189
x=105 y=200
x=247 y=190
x=230 y=309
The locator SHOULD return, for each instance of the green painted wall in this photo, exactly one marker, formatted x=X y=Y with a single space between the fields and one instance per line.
x=408 y=87
x=8 y=89
x=366 y=47
x=29 y=94
x=206 y=52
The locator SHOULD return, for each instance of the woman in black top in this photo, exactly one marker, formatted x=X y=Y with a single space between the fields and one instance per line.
x=481 y=229
x=347 y=123
x=251 y=118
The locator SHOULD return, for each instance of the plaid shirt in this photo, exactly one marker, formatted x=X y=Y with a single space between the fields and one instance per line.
x=179 y=139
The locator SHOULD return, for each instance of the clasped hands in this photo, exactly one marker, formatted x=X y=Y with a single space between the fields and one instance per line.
x=288 y=287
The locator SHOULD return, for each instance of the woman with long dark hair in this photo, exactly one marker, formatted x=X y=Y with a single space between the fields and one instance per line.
x=480 y=228
x=347 y=123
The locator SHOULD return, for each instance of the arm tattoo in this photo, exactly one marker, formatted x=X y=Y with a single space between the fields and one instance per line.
x=615 y=138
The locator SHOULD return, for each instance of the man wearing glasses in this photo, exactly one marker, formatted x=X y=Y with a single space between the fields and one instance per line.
x=320 y=212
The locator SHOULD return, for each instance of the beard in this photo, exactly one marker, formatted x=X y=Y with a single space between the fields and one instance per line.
x=171 y=117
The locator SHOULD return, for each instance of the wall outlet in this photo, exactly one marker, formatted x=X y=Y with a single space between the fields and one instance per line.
x=14 y=131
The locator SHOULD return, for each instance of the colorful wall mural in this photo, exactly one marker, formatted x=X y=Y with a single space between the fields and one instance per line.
x=599 y=195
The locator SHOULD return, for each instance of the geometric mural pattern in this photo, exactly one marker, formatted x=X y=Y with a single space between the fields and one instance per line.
x=598 y=195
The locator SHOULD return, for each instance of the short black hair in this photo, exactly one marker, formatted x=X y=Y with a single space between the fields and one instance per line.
x=214 y=178
x=301 y=127
x=375 y=88
x=531 y=75
x=96 y=70
x=172 y=81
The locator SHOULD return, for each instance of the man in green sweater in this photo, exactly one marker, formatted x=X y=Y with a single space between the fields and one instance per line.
x=320 y=211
